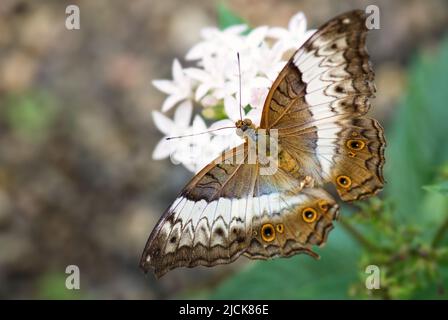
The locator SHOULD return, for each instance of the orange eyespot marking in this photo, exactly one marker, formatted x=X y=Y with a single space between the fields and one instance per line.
x=354 y=134
x=344 y=182
x=280 y=228
x=355 y=144
x=323 y=205
x=268 y=232
x=309 y=215
x=351 y=154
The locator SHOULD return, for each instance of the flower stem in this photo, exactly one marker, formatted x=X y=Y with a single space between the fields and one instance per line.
x=440 y=233
x=358 y=236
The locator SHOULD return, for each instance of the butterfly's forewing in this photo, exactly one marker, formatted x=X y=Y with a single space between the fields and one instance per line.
x=229 y=209
x=317 y=103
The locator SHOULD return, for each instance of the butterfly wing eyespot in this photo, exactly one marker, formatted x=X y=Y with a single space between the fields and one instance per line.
x=355 y=144
x=280 y=228
x=323 y=205
x=309 y=215
x=268 y=232
x=344 y=181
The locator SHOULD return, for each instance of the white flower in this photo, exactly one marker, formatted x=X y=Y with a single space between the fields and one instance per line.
x=192 y=152
x=170 y=128
x=213 y=82
x=211 y=77
x=257 y=99
x=214 y=40
x=270 y=60
x=179 y=89
x=295 y=35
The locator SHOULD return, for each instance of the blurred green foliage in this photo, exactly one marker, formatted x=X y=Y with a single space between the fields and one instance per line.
x=226 y=18
x=51 y=286
x=299 y=277
x=441 y=188
x=404 y=233
x=418 y=150
x=30 y=115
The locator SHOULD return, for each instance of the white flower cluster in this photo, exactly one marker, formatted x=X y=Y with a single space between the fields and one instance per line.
x=214 y=83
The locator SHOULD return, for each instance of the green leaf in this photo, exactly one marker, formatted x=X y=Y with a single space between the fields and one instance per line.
x=441 y=188
x=247 y=108
x=417 y=142
x=300 y=277
x=226 y=18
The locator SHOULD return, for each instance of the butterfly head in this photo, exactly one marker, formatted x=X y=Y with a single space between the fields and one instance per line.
x=243 y=125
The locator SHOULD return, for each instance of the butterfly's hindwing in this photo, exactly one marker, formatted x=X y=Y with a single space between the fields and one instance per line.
x=209 y=231
x=359 y=159
x=289 y=232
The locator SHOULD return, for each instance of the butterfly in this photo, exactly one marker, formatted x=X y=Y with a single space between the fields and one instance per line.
x=317 y=107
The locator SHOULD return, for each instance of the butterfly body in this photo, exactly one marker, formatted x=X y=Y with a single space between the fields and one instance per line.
x=313 y=132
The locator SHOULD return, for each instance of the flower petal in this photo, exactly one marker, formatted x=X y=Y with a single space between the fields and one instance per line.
x=261 y=82
x=297 y=24
x=165 y=86
x=232 y=108
x=191 y=166
x=197 y=74
x=258 y=97
x=162 y=150
x=202 y=90
x=198 y=51
x=236 y=29
x=308 y=34
x=171 y=101
x=209 y=32
x=255 y=115
x=163 y=123
x=199 y=124
x=182 y=115
x=277 y=33
x=256 y=36
x=178 y=73
x=222 y=124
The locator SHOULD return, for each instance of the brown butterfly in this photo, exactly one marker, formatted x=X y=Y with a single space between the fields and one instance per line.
x=317 y=106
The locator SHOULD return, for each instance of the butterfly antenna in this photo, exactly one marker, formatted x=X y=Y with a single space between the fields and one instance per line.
x=197 y=134
x=239 y=78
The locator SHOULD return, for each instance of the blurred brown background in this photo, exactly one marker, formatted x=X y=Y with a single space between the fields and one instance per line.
x=77 y=181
